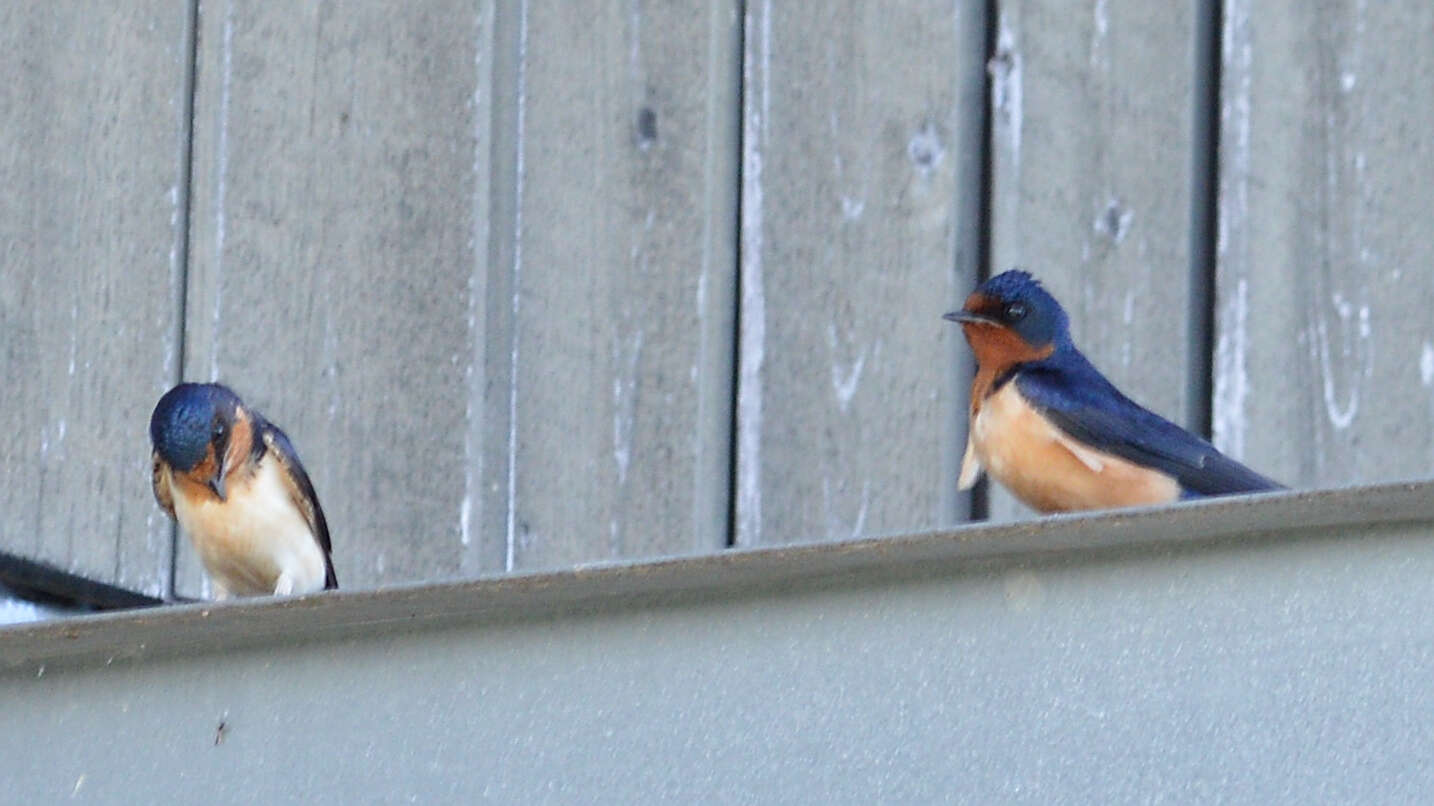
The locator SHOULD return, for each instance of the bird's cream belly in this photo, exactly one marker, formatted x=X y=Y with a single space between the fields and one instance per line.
x=249 y=540
x=1048 y=470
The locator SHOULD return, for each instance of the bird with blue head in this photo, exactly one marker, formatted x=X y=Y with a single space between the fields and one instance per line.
x=234 y=483
x=1047 y=425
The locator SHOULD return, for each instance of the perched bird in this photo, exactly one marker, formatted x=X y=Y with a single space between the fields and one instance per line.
x=1055 y=432
x=237 y=488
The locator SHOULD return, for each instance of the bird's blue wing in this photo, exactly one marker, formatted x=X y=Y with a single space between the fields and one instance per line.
x=1082 y=403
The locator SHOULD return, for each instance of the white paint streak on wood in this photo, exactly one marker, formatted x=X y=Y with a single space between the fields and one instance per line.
x=510 y=558
x=221 y=186
x=1099 y=52
x=836 y=527
x=846 y=376
x=1356 y=345
x=176 y=274
x=851 y=200
x=626 y=358
x=478 y=243
x=753 y=323
x=1231 y=381
x=1231 y=375
x=1238 y=57
x=1345 y=179
x=74 y=337
x=1005 y=71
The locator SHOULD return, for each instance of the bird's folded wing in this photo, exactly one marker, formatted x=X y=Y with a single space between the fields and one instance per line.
x=301 y=490
x=1101 y=417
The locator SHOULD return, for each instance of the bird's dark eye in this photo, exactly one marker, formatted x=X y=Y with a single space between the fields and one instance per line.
x=219 y=430
x=1015 y=311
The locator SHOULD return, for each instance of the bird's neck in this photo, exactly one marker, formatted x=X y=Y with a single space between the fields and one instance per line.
x=1000 y=354
x=989 y=381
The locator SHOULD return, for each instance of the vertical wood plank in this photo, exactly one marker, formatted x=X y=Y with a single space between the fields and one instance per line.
x=1091 y=184
x=860 y=121
x=611 y=297
x=1324 y=365
x=482 y=272
x=339 y=170
x=92 y=159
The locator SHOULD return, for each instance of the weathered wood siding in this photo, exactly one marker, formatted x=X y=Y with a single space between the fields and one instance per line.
x=857 y=141
x=1324 y=368
x=536 y=285
x=336 y=172
x=479 y=263
x=93 y=153
x=610 y=280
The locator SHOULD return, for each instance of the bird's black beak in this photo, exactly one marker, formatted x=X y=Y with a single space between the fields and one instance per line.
x=217 y=483
x=964 y=316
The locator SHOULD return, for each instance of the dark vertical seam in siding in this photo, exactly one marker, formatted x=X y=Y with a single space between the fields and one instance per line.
x=971 y=197
x=736 y=389
x=185 y=223
x=981 y=493
x=1204 y=213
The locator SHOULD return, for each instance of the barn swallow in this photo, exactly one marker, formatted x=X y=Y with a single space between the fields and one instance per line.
x=235 y=485
x=1051 y=429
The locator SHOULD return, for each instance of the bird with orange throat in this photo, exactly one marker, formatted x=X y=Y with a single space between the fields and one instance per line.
x=1051 y=429
x=236 y=486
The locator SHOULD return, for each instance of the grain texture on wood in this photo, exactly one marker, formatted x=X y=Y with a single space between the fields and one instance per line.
x=340 y=163
x=479 y=263
x=610 y=294
x=1324 y=365
x=92 y=162
x=860 y=122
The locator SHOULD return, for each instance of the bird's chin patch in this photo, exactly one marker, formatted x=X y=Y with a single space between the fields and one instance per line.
x=196 y=480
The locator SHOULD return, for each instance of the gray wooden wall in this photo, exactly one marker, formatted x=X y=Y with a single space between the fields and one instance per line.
x=539 y=284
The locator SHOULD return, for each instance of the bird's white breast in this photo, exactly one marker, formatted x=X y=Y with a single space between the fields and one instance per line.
x=255 y=542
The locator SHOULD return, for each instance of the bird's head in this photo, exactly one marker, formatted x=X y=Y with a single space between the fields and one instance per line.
x=1010 y=319
x=193 y=428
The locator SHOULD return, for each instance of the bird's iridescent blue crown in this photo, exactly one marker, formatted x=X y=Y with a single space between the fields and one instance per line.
x=1039 y=318
x=184 y=420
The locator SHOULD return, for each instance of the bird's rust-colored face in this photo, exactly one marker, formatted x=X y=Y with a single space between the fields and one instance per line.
x=988 y=323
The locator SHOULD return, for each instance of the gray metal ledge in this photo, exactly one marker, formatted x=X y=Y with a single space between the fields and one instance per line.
x=227 y=625
x=1272 y=647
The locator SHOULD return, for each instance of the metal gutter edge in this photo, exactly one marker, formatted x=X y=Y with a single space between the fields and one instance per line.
x=235 y=624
